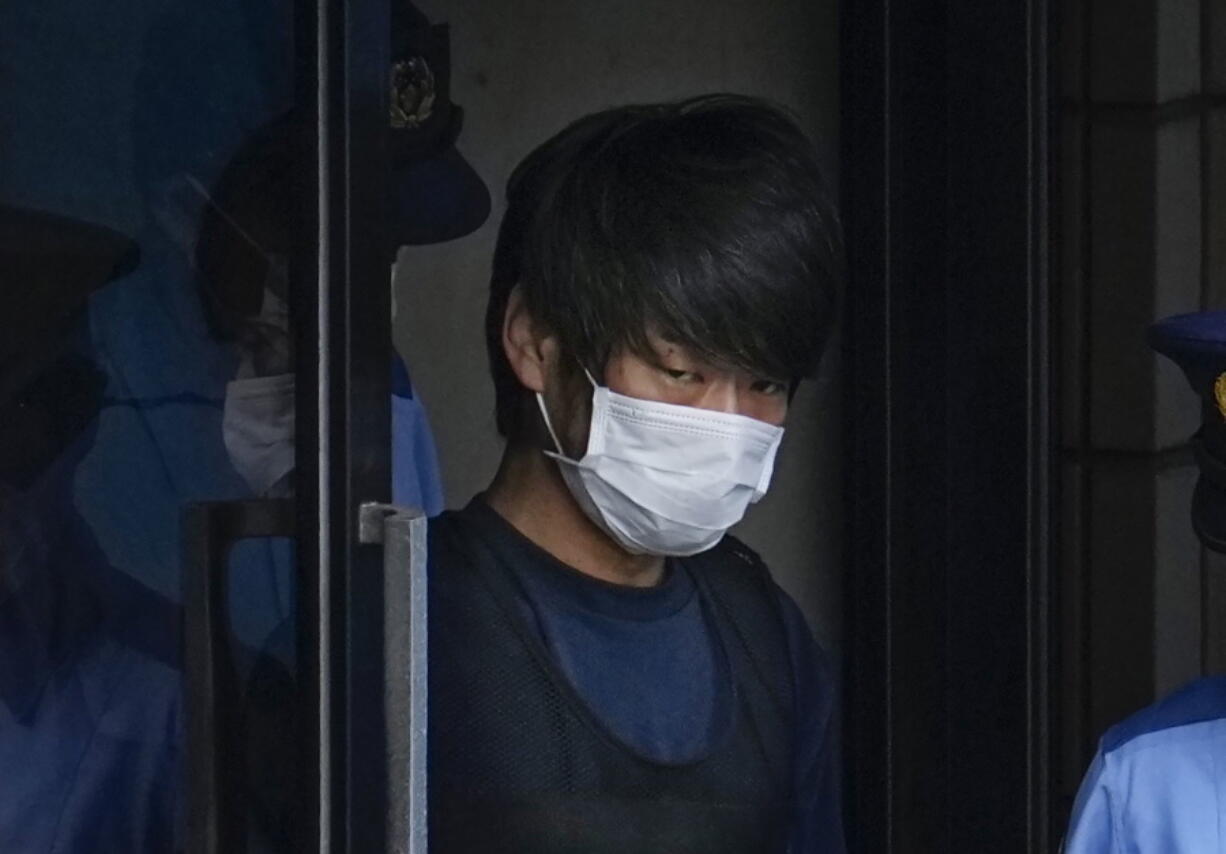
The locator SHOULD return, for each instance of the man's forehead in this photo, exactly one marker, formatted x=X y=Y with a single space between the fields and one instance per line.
x=668 y=347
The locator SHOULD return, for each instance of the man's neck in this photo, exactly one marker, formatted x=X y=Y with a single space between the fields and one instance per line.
x=528 y=491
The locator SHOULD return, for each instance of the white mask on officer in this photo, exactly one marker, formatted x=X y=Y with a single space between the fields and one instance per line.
x=258 y=429
x=665 y=479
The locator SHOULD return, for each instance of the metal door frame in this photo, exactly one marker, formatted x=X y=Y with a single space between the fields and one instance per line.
x=344 y=438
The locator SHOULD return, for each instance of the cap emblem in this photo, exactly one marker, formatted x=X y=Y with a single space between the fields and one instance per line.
x=413 y=93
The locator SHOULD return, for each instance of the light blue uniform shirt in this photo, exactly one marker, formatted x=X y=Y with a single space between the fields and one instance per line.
x=1158 y=781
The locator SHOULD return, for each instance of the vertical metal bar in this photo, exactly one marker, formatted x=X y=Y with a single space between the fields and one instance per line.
x=1084 y=649
x=204 y=790
x=330 y=261
x=865 y=73
x=1043 y=474
x=217 y=816
x=305 y=269
x=1206 y=287
x=352 y=420
x=361 y=395
x=405 y=683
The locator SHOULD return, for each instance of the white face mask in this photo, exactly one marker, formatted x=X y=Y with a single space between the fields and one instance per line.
x=665 y=479
x=258 y=429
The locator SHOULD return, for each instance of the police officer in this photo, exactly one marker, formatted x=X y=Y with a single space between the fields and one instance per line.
x=90 y=712
x=610 y=671
x=1158 y=778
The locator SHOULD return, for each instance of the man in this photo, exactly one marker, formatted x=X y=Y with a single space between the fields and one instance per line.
x=608 y=670
x=1157 y=781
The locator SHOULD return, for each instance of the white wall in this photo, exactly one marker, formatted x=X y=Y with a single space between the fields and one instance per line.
x=523 y=69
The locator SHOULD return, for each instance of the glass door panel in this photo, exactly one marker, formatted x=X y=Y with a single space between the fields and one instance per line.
x=153 y=236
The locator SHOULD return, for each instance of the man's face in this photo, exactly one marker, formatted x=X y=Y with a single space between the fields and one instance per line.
x=674 y=374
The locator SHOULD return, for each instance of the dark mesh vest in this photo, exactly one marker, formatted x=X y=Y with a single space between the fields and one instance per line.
x=518 y=763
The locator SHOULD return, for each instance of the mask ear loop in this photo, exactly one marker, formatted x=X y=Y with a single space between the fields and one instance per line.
x=540 y=402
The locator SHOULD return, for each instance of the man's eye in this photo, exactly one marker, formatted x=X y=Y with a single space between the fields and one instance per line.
x=683 y=376
x=769 y=387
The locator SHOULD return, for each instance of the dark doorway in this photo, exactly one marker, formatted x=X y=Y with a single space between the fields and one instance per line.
x=946 y=117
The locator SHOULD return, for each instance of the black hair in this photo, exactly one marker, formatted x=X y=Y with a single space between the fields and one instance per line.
x=250 y=215
x=706 y=221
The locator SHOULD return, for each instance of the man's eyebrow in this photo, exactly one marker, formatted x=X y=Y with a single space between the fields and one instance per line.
x=661 y=347
x=673 y=348
x=656 y=340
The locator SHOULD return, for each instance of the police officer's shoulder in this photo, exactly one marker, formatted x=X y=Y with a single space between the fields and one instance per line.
x=1197 y=702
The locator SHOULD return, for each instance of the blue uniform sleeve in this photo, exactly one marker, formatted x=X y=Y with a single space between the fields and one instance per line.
x=416 y=479
x=1092 y=827
x=818 y=820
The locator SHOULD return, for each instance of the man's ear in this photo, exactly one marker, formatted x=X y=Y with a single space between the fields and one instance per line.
x=530 y=350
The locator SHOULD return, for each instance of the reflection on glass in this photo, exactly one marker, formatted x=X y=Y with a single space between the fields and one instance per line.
x=126 y=312
x=90 y=717
x=148 y=184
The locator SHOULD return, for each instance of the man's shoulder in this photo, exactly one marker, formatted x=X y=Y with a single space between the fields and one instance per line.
x=440 y=522
x=741 y=551
x=740 y=560
x=462 y=556
x=731 y=563
x=444 y=532
x=1190 y=712
x=736 y=565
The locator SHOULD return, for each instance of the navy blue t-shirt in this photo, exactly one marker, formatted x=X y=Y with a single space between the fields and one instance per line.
x=652 y=669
